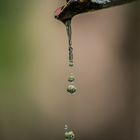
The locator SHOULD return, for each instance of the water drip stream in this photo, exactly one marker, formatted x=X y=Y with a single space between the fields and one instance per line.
x=71 y=87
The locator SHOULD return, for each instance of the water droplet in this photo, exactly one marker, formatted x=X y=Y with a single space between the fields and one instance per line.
x=71 y=89
x=69 y=135
x=71 y=64
x=71 y=78
x=66 y=127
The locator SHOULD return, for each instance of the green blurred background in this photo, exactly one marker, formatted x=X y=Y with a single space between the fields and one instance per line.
x=34 y=68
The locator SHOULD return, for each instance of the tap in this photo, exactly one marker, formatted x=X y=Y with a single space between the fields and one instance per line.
x=75 y=7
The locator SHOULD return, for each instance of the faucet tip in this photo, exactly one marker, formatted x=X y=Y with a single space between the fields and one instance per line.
x=75 y=7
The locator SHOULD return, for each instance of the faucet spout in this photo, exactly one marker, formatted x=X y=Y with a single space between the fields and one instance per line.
x=75 y=7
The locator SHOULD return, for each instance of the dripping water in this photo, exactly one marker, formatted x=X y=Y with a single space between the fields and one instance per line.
x=69 y=135
x=71 y=88
x=69 y=34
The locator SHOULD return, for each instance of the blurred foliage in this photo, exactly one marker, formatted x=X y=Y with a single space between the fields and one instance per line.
x=12 y=50
x=16 y=108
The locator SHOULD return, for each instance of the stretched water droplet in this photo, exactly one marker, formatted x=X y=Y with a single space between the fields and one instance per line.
x=69 y=135
x=69 y=33
x=71 y=89
x=71 y=78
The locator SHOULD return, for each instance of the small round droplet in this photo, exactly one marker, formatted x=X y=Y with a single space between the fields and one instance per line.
x=71 y=78
x=69 y=135
x=71 y=64
x=66 y=127
x=71 y=89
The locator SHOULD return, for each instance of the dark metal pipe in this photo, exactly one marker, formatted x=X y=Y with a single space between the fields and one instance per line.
x=74 y=7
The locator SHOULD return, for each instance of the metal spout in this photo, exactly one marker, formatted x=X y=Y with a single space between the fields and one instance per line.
x=75 y=7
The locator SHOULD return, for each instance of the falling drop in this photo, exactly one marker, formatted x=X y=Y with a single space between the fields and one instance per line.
x=71 y=64
x=69 y=135
x=66 y=127
x=71 y=89
x=71 y=78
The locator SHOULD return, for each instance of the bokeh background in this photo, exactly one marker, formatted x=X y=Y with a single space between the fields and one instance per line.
x=34 y=68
